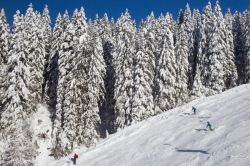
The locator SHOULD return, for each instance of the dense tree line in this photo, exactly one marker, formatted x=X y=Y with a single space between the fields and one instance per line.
x=99 y=76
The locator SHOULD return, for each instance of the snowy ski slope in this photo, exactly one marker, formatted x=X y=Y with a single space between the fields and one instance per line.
x=179 y=138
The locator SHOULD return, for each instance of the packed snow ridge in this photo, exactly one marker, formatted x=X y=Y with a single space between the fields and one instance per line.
x=178 y=137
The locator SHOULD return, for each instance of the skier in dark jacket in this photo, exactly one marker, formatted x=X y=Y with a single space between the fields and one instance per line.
x=194 y=110
x=209 y=126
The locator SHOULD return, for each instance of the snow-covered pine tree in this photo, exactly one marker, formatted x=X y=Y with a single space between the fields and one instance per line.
x=75 y=94
x=70 y=105
x=143 y=103
x=246 y=34
x=19 y=146
x=220 y=55
x=4 y=48
x=66 y=20
x=94 y=86
x=229 y=67
x=193 y=59
x=185 y=55
x=47 y=35
x=20 y=149
x=4 y=38
x=180 y=17
x=206 y=26
x=165 y=79
x=123 y=62
x=248 y=43
x=239 y=42
x=53 y=67
x=216 y=54
x=82 y=87
x=64 y=48
x=61 y=145
x=172 y=25
x=17 y=96
x=106 y=29
x=79 y=21
x=182 y=56
x=74 y=16
x=151 y=45
x=36 y=53
x=108 y=45
x=190 y=28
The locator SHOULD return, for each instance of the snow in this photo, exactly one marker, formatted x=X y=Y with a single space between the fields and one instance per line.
x=178 y=137
x=1 y=150
x=83 y=38
x=41 y=123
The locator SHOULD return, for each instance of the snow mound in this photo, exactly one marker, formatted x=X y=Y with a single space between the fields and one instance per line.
x=180 y=138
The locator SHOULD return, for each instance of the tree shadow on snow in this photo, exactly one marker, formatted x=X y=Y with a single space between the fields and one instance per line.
x=204 y=117
x=192 y=151
x=201 y=129
x=187 y=113
x=166 y=144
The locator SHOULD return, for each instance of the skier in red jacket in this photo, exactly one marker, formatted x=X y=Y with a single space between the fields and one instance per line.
x=74 y=159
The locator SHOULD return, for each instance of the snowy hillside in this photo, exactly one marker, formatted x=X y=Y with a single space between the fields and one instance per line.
x=70 y=81
x=178 y=137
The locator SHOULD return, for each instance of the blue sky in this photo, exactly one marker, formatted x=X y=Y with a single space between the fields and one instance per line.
x=138 y=9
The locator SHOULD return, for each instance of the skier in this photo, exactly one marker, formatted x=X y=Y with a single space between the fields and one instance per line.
x=74 y=158
x=194 y=110
x=209 y=126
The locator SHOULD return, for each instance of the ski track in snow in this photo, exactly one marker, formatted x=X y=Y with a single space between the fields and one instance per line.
x=179 y=138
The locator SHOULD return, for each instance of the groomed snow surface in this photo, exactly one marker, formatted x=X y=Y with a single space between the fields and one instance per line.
x=180 y=138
